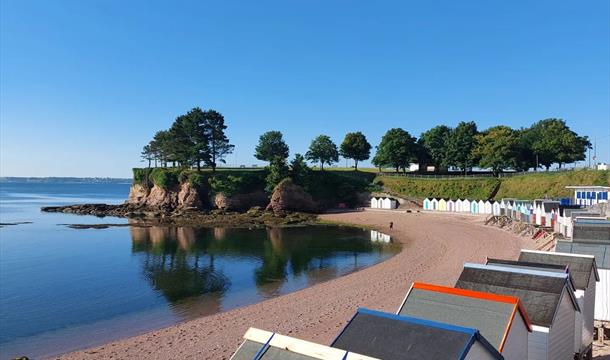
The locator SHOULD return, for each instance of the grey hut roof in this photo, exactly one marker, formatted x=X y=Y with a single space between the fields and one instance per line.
x=591 y=232
x=261 y=345
x=550 y=205
x=539 y=291
x=529 y=265
x=580 y=267
x=600 y=251
x=393 y=337
x=526 y=265
x=491 y=314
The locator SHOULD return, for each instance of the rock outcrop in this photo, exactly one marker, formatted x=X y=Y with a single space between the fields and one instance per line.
x=179 y=197
x=240 y=202
x=287 y=196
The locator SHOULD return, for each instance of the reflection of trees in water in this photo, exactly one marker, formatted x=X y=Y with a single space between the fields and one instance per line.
x=179 y=261
x=174 y=265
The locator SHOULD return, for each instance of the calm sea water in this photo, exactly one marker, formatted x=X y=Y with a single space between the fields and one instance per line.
x=63 y=289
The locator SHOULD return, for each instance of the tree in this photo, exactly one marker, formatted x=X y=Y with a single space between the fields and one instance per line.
x=397 y=149
x=554 y=142
x=460 y=145
x=496 y=148
x=219 y=146
x=278 y=171
x=197 y=137
x=298 y=169
x=323 y=150
x=356 y=147
x=164 y=145
x=434 y=141
x=524 y=155
x=271 y=145
x=147 y=153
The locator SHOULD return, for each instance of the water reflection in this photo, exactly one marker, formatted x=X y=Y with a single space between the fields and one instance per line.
x=186 y=264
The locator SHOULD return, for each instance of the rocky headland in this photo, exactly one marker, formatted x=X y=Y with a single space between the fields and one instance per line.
x=185 y=203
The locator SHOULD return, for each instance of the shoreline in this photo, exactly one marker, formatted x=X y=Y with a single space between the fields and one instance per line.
x=434 y=248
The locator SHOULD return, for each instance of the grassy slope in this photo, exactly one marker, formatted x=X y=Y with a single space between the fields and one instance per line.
x=552 y=184
x=479 y=188
x=530 y=186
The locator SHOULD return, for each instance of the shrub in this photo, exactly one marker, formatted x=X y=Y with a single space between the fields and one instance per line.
x=165 y=178
x=141 y=176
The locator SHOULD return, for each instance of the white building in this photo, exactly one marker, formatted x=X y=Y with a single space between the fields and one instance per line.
x=590 y=195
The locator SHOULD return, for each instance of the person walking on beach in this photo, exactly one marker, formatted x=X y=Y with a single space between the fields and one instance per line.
x=391 y=225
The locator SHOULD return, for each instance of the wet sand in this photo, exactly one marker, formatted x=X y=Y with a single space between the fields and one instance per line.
x=435 y=246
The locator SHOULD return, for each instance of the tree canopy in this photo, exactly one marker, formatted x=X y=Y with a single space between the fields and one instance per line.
x=460 y=145
x=433 y=142
x=554 y=142
x=356 y=147
x=270 y=146
x=322 y=150
x=497 y=148
x=397 y=149
x=194 y=138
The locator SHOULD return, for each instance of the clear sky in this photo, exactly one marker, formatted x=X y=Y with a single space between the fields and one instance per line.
x=85 y=84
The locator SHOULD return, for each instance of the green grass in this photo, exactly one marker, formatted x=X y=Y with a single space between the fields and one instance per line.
x=478 y=188
x=530 y=186
x=552 y=184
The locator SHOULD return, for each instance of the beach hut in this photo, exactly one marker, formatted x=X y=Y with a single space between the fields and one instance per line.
x=374 y=203
x=585 y=275
x=389 y=203
x=500 y=319
x=496 y=208
x=474 y=207
x=466 y=205
x=458 y=205
x=434 y=204
x=442 y=205
x=427 y=205
x=393 y=337
x=488 y=207
x=260 y=345
x=548 y=299
x=590 y=195
x=481 y=207
x=450 y=205
x=594 y=239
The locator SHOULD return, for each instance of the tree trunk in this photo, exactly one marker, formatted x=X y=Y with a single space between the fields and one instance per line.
x=321 y=165
x=397 y=169
x=198 y=164
x=149 y=163
x=355 y=165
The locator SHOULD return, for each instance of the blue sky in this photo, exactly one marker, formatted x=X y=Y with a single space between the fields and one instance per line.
x=85 y=84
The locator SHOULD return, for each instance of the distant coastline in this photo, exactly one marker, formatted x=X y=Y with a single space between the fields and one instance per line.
x=66 y=180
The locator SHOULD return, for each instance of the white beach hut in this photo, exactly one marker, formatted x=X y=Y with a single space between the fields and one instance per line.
x=374 y=203
x=481 y=207
x=458 y=205
x=583 y=269
x=553 y=330
x=496 y=210
x=434 y=204
x=488 y=207
x=466 y=205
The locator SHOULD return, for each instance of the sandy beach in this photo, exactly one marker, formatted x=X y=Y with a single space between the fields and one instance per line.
x=434 y=249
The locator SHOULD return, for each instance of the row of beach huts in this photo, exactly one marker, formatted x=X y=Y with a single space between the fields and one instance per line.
x=542 y=306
